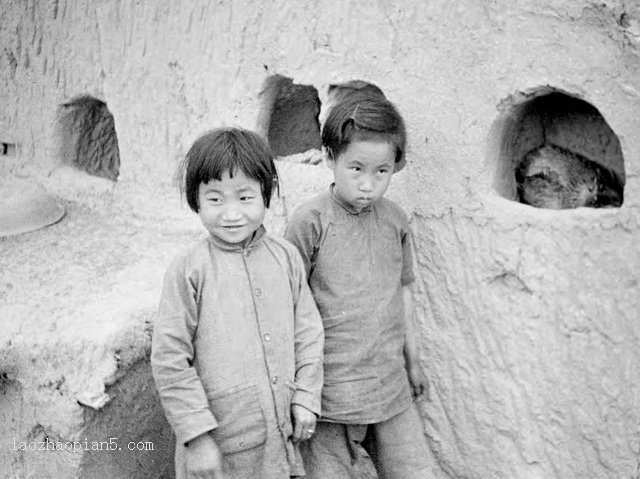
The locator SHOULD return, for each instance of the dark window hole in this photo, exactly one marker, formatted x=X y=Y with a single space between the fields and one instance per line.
x=88 y=139
x=289 y=116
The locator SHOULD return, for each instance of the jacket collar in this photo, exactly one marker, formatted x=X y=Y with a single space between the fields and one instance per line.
x=249 y=244
x=346 y=206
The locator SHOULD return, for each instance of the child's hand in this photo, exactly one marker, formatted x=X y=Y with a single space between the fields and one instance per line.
x=304 y=423
x=419 y=383
x=203 y=458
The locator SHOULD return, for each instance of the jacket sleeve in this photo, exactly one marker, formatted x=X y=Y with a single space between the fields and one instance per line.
x=309 y=341
x=304 y=231
x=172 y=352
x=408 y=275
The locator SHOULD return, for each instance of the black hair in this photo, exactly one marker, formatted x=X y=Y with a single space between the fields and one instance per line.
x=340 y=91
x=363 y=117
x=228 y=149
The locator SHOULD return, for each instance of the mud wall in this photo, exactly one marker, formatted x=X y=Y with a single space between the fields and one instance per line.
x=529 y=319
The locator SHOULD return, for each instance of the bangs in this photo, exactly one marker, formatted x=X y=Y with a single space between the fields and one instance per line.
x=229 y=150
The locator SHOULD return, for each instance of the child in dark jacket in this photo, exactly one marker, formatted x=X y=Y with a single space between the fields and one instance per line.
x=357 y=250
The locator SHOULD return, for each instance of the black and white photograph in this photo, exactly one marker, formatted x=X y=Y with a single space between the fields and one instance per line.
x=338 y=239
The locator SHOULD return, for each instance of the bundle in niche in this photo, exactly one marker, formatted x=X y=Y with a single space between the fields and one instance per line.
x=556 y=178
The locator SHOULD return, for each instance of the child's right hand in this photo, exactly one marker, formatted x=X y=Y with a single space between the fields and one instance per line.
x=203 y=458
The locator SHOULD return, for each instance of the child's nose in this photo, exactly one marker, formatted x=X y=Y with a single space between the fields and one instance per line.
x=366 y=184
x=231 y=212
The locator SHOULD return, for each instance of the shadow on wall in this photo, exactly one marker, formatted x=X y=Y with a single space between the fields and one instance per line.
x=556 y=151
x=87 y=137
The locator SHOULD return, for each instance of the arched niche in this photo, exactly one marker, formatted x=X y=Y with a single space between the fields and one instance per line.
x=87 y=137
x=549 y=135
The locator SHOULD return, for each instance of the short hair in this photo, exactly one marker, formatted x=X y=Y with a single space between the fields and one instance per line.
x=228 y=149
x=362 y=117
x=339 y=91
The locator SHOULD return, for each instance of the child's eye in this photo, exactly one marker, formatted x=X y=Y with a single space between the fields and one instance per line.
x=247 y=198
x=382 y=170
x=213 y=199
x=355 y=168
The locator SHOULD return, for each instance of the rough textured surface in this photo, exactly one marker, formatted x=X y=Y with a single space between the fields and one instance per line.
x=529 y=319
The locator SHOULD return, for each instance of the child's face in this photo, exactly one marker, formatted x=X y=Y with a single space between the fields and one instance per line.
x=362 y=172
x=231 y=209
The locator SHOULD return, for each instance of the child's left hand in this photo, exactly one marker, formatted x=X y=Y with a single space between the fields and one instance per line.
x=419 y=383
x=304 y=423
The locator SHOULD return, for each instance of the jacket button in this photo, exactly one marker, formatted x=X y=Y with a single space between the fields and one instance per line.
x=257 y=292
x=267 y=337
x=274 y=379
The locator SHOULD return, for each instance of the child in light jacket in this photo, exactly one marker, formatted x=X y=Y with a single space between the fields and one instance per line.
x=237 y=346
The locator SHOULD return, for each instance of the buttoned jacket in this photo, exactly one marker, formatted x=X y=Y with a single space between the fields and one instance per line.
x=357 y=264
x=236 y=341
